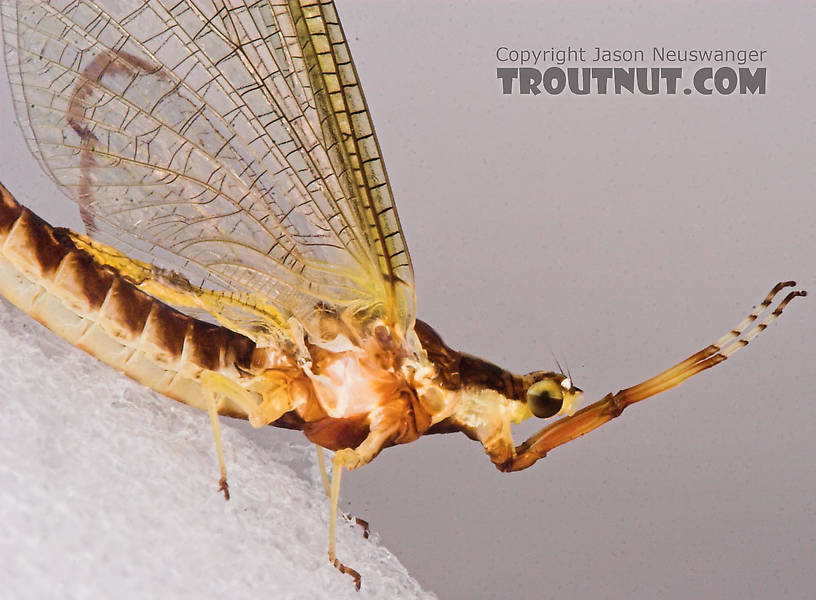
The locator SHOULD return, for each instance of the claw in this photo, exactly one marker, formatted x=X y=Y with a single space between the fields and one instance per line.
x=348 y=571
x=362 y=524
x=223 y=486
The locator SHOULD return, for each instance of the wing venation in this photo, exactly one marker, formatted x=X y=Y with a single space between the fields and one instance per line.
x=229 y=143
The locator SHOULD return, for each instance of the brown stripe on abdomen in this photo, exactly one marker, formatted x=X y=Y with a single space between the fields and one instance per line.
x=31 y=244
x=81 y=283
x=164 y=332
x=125 y=310
x=95 y=308
x=214 y=347
x=9 y=212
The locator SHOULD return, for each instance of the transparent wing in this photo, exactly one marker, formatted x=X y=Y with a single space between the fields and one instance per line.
x=229 y=144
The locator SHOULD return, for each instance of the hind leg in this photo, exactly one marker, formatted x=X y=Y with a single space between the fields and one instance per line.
x=261 y=409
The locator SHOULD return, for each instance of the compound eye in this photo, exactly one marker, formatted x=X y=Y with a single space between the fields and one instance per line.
x=545 y=398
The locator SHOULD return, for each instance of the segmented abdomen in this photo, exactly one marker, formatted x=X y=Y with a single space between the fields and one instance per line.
x=44 y=274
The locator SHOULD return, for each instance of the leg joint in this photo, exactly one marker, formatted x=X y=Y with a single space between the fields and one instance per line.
x=616 y=404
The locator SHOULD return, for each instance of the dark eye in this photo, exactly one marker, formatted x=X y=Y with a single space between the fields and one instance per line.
x=544 y=398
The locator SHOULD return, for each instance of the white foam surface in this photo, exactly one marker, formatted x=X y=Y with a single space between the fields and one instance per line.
x=108 y=490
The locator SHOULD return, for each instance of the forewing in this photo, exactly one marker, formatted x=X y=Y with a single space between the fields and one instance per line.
x=228 y=143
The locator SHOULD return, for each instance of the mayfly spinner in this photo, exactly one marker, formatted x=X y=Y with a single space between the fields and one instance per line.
x=244 y=254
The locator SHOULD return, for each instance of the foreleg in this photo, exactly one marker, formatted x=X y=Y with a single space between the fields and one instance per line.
x=612 y=405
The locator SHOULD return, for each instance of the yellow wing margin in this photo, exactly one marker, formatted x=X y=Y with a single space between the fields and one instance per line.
x=355 y=153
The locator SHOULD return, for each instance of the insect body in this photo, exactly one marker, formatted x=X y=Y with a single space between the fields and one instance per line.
x=244 y=254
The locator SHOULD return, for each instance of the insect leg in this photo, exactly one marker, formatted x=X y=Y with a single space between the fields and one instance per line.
x=612 y=405
x=216 y=387
x=262 y=405
x=338 y=464
x=212 y=410
x=321 y=463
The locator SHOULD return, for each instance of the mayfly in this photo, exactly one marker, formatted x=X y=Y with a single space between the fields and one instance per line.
x=243 y=252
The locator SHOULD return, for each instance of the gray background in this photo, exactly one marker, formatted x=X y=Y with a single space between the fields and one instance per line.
x=621 y=234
